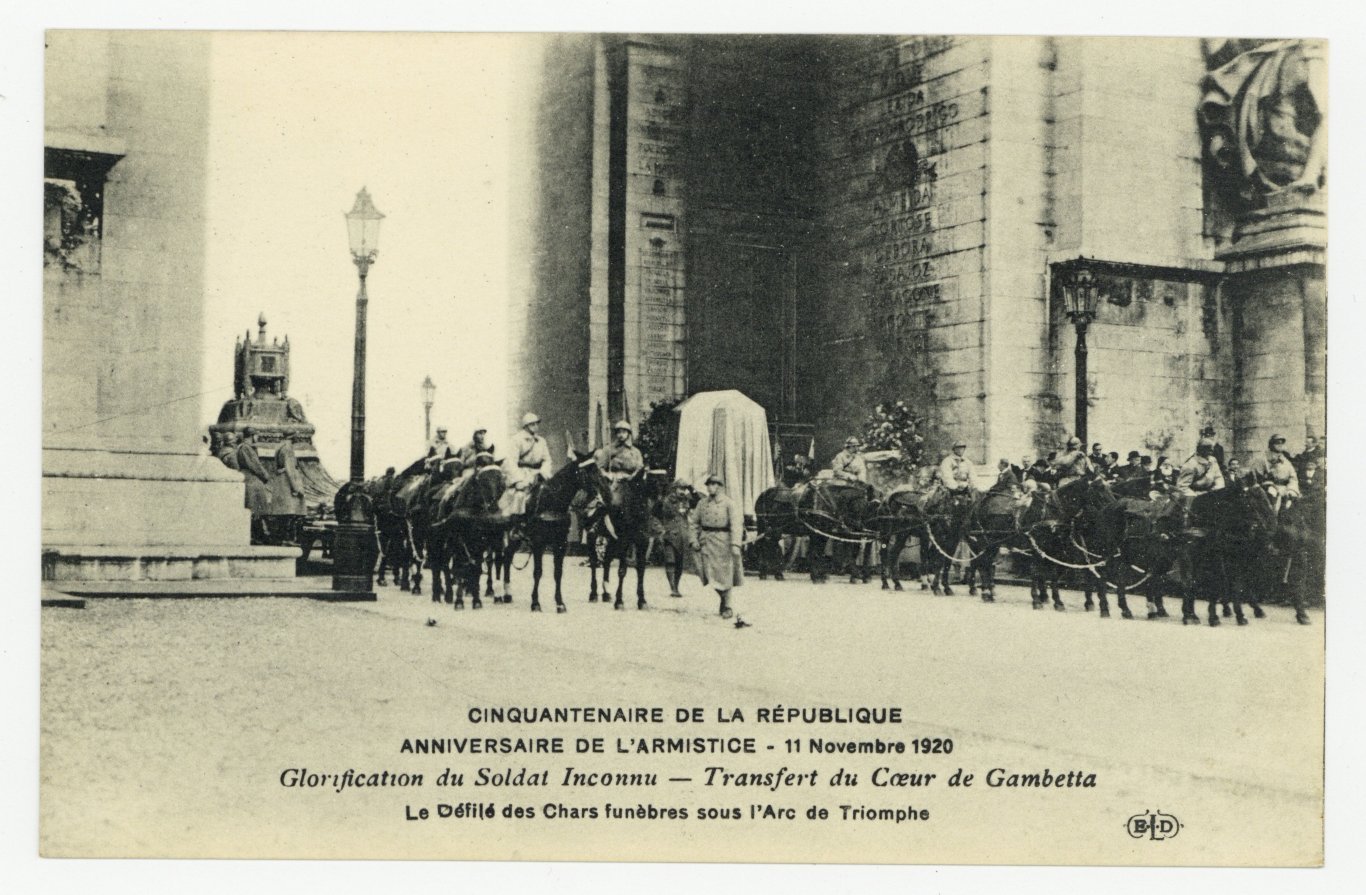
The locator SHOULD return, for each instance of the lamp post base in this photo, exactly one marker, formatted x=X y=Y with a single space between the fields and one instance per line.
x=353 y=557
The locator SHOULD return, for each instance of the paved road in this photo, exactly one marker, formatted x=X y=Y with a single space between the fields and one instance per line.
x=166 y=724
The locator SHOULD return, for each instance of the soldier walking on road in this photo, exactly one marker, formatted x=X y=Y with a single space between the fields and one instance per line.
x=718 y=531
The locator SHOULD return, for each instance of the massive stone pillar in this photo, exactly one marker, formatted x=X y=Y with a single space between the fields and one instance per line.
x=129 y=488
x=1263 y=114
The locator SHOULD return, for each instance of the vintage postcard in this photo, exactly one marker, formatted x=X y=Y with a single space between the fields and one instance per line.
x=900 y=449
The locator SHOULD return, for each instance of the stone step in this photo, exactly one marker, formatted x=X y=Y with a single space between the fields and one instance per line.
x=316 y=588
x=63 y=563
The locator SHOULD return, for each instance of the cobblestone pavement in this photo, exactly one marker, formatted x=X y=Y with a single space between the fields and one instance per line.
x=166 y=724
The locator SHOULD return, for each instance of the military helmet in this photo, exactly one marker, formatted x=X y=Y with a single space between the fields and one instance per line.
x=1275 y=440
x=851 y=441
x=1074 y=442
x=528 y=418
x=623 y=424
x=440 y=430
x=717 y=479
x=960 y=443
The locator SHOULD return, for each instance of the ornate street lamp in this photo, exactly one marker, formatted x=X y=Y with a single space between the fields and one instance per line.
x=354 y=547
x=1079 y=302
x=428 y=399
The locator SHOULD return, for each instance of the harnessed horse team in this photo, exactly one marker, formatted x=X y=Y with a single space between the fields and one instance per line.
x=460 y=518
x=1227 y=546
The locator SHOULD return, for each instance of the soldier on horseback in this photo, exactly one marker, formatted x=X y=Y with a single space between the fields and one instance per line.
x=533 y=463
x=439 y=446
x=956 y=470
x=849 y=465
x=621 y=458
x=1275 y=472
x=1200 y=473
x=478 y=444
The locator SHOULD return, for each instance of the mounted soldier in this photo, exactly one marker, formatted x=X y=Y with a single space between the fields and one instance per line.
x=619 y=460
x=956 y=471
x=478 y=444
x=1201 y=473
x=1070 y=467
x=439 y=446
x=1275 y=472
x=849 y=465
x=533 y=463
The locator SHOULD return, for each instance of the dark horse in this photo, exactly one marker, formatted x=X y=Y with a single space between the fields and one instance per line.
x=1046 y=526
x=623 y=525
x=840 y=513
x=944 y=517
x=776 y=517
x=545 y=524
x=397 y=552
x=991 y=523
x=1135 y=539
x=464 y=525
x=898 y=520
x=1299 y=546
x=1228 y=531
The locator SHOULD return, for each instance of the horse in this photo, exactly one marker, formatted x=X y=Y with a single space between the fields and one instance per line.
x=546 y=522
x=776 y=517
x=943 y=518
x=991 y=524
x=392 y=526
x=1047 y=528
x=464 y=525
x=899 y=520
x=1228 y=530
x=408 y=502
x=838 y=512
x=1130 y=535
x=1299 y=541
x=624 y=524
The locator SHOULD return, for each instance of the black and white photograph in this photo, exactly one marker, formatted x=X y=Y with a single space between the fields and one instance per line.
x=654 y=446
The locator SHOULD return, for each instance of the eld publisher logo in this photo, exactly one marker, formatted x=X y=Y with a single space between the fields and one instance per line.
x=1155 y=826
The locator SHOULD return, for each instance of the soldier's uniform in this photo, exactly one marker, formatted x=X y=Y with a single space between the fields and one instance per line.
x=533 y=456
x=718 y=532
x=471 y=450
x=532 y=464
x=438 y=446
x=1275 y=468
x=1199 y=475
x=849 y=466
x=619 y=460
x=955 y=473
